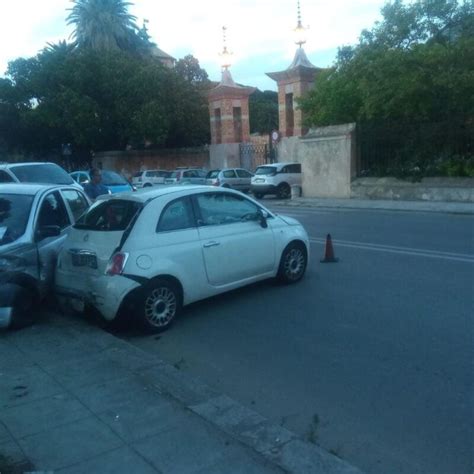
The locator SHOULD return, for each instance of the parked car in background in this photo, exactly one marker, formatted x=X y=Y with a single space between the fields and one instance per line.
x=187 y=176
x=147 y=178
x=276 y=178
x=145 y=255
x=34 y=222
x=235 y=178
x=113 y=181
x=49 y=173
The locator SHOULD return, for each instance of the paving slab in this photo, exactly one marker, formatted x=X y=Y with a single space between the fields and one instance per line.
x=69 y=444
x=42 y=415
x=151 y=418
x=18 y=387
x=121 y=460
x=188 y=449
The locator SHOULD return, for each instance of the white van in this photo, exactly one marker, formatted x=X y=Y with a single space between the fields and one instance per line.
x=276 y=178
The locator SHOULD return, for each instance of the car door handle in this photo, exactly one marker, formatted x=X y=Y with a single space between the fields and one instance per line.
x=212 y=243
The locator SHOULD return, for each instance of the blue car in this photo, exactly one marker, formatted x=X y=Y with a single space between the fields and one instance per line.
x=113 y=181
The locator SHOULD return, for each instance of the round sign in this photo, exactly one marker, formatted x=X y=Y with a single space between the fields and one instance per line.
x=275 y=136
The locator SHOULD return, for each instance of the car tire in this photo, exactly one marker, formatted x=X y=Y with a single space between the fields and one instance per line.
x=147 y=185
x=258 y=195
x=160 y=302
x=283 y=191
x=294 y=260
x=24 y=303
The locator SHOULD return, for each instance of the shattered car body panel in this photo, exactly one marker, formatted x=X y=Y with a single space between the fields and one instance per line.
x=34 y=222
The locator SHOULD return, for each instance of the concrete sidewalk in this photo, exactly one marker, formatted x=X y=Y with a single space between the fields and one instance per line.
x=76 y=399
x=373 y=204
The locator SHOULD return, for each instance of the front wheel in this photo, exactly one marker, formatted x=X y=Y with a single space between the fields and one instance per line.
x=294 y=260
x=258 y=195
x=161 y=302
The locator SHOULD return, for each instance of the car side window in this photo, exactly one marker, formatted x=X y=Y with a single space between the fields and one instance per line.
x=243 y=174
x=285 y=170
x=296 y=168
x=229 y=174
x=53 y=212
x=76 y=202
x=177 y=215
x=223 y=208
x=5 y=177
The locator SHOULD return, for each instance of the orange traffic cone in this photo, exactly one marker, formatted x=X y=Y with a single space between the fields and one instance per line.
x=329 y=252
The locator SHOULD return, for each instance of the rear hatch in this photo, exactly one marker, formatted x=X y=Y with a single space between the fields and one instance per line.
x=96 y=236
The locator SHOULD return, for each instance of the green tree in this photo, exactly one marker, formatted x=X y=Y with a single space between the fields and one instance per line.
x=190 y=70
x=263 y=111
x=416 y=64
x=103 y=24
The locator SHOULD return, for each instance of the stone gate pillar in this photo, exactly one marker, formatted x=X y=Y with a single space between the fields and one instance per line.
x=293 y=82
x=229 y=116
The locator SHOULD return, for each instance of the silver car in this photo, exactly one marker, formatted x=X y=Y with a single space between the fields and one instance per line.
x=235 y=178
x=187 y=176
x=34 y=222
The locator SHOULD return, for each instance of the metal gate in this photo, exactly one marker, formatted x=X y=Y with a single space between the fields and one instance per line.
x=252 y=155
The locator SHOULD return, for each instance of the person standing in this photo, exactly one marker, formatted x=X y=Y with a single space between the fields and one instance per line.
x=94 y=188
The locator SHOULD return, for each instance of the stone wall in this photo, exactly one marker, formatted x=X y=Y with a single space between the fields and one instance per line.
x=429 y=189
x=130 y=162
x=328 y=159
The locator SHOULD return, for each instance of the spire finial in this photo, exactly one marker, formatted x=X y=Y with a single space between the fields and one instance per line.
x=226 y=55
x=300 y=30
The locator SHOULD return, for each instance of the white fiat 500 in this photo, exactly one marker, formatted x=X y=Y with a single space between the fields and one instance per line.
x=143 y=256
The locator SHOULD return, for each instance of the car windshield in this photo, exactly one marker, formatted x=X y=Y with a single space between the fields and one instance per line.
x=212 y=174
x=266 y=170
x=41 y=173
x=175 y=174
x=111 y=178
x=110 y=215
x=14 y=212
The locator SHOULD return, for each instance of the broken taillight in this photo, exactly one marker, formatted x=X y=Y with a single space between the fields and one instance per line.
x=116 y=264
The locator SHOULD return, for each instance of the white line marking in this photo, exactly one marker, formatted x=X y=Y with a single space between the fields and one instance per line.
x=400 y=250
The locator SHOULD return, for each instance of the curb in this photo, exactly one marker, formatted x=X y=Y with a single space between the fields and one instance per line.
x=277 y=445
x=376 y=205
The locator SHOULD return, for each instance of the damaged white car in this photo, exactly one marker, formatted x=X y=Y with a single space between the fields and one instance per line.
x=143 y=256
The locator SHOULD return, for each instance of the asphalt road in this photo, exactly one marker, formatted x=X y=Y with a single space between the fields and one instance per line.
x=370 y=357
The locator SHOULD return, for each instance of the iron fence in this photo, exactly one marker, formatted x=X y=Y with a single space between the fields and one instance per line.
x=394 y=149
x=252 y=155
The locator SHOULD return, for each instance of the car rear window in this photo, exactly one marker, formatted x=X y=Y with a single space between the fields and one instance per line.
x=111 y=178
x=110 y=215
x=266 y=170
x=41 y=173
x=14 y=213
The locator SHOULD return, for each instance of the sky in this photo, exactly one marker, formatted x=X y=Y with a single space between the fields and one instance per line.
x=259 y=32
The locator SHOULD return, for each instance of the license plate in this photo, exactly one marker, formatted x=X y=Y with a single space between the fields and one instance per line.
x=84 y=260
x=259 y=180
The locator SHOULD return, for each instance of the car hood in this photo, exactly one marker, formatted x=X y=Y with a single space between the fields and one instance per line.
x=289 y=220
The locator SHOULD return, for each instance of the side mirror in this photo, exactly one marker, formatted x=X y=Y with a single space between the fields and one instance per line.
x=47 y=231
x=262 y=218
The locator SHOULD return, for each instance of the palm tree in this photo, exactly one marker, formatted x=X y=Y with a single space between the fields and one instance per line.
x=102 y=24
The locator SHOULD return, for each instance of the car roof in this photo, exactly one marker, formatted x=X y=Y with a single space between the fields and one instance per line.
x=280 y=164
x=31 y=188
x=147 y=194
x=29 y=163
